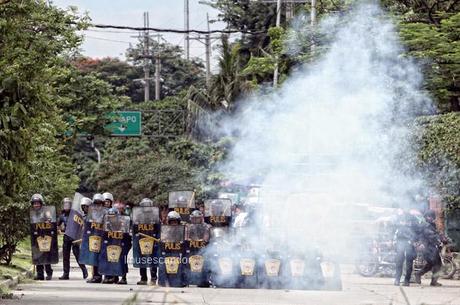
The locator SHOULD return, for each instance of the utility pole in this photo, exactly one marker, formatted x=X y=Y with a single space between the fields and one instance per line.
x=208 y=54
x=146 y=58
x=157 y=71
x=187 y=28
x=278 y=22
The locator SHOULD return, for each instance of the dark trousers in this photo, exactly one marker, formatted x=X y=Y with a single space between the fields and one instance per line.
x=433 y=263
x=41 y=268
x=66 y=248
x=405 y=252
x=96 y=273
x=153 y=273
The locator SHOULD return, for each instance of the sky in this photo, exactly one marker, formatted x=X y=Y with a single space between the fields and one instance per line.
x=163 y=14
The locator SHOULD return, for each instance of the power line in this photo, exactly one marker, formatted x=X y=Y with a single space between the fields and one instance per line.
x=105 y=39
x=122 y=27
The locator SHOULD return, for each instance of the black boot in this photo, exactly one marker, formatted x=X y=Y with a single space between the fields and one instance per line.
x=49 y=276
x=64 y=277
x=94 y=280
x=85 y=273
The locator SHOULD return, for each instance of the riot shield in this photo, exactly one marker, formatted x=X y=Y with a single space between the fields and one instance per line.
x=115 y=246
x=171 y=268
x=43 y=229
x=197 y=266
x=218 y=212
x=220 y=255
x=182 y=202
x=75 y=221
x=234 y=197
x=146 y=231
x=93 y=233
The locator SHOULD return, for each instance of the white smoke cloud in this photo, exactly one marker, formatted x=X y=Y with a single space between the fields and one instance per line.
x=332 y=134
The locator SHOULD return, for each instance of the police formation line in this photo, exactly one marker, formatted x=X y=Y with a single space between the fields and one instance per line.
x=190 y=247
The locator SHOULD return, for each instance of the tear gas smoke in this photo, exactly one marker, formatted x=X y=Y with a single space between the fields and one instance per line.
x=331 y=137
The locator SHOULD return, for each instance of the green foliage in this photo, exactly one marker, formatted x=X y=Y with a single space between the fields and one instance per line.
x=34 y=37
x=439 y=154
x=439 y=48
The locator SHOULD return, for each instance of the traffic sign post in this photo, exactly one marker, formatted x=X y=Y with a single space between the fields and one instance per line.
x=125 y=124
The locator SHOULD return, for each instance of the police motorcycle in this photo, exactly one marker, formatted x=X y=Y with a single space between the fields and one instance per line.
x=182 y=202
x=43 y=228
x=222 y=266
x=197 y=238
x=93 y=233
x=115 y=245
x=172 y=249
x=75 y=223
x=146 y=237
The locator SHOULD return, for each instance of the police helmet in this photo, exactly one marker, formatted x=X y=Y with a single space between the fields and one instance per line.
x=112 y=211
x=108 y=196
x=146 y=202
x=37 y=197
x=98 y=198
x=196 y=217
x=173 y=215
x=85 y=201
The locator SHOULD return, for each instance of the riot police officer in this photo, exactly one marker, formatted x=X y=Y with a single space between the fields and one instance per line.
x=146 y=228
x=69 y=244
x=405 y=236
x=171 y=269
x=108 y=200
x=431 y=241
x=98 y=201
x=37 y=203
x=197 y=237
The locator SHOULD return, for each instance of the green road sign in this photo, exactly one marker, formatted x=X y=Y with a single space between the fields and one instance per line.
x=125 y=123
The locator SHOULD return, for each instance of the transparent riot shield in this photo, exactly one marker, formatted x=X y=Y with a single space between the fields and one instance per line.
x=146 y=215
x=182 y=202
x=234 y=197
x=146 y=230
x=172 y=233
x=182 y=199
x=217 y=212
x=197 y=265
x=116 y=245
x=116 y=223
x=44 y=235
x=75 y=221
x=197 y=232
x=171 y=268
x=92 y=236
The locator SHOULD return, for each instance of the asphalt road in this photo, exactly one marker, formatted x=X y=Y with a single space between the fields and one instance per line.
x=356 y=290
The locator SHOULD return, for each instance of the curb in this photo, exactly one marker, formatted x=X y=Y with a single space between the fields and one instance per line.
x=10 y=283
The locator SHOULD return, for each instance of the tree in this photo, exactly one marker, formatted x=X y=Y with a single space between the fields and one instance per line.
x=430 y=29
x=33 y=36
x=122 y=76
